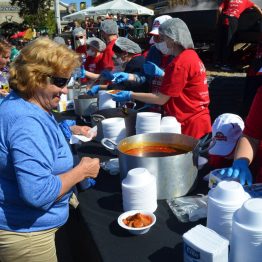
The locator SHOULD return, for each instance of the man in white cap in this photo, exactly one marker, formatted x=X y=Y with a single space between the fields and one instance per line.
x=226 y=131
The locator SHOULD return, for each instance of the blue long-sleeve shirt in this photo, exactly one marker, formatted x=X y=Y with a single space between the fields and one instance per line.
x=33 y=152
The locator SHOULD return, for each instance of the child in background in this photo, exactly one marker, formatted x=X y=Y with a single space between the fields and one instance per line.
x=226 y=131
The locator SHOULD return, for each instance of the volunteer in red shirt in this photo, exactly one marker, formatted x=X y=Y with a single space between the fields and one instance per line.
x=248 y=145
x=184 y=91
x=93 y=65
x=128 y=55
x=109 y=32
x=80 y=40
x=229 y=13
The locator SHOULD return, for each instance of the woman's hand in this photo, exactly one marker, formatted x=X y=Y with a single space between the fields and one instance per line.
x=88 y=167
x=239 y=170
x=80 y=130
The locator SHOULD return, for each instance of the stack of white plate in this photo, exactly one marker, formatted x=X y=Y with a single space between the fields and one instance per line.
x=114 y=128
x=246 y=239
x=169 y=124
x=147 y=122
x=223 y=201
x=139 y=190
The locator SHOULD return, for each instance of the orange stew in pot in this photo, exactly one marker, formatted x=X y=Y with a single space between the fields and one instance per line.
x=149 y=151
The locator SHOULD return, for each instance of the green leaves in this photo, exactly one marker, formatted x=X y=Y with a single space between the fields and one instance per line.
x=29 y=7
x=37 y=13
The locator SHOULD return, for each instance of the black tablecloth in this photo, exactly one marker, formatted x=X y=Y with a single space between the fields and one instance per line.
x=100 y=207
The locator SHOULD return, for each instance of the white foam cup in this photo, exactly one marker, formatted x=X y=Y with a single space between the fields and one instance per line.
x=247 y=232
x=148 y=119
x=170 y=124
x=136 y=177
x=250 y=214
x=228 y=193
x=105 y=100
x=114 y=128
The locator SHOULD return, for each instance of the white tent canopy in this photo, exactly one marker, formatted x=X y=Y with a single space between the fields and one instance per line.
x=114 y=7
x=77 y=15
x=123 y=7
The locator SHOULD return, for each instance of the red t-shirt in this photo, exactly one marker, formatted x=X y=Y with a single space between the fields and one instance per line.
x=235 y=7
x=93 y=64
x=81 y=49
x=253 y=128
x=107 y=59
x=253 y=123
x=186 y=84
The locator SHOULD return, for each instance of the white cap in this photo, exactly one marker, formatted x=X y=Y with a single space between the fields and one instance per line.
x=157 y=22
x=226 y=130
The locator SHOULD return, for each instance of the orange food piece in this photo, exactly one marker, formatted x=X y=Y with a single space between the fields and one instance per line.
x=137 y=220
x=113 y=91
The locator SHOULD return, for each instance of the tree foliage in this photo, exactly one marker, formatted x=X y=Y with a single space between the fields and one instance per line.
x=37 y=13
x=29 y=7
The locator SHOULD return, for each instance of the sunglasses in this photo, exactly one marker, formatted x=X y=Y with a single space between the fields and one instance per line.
x=59 y=81
x=79 y=37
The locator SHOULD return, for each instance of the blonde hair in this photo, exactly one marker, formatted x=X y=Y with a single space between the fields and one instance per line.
x=4 y=47
x=37 y=60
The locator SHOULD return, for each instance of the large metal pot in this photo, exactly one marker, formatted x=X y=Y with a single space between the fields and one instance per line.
x=127 y=113
x=85 y=105
x=175 y=174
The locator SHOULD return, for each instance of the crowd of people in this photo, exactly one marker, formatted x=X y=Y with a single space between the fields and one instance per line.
x=37 y=173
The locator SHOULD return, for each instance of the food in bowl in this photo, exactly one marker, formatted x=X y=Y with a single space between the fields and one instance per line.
x=112 y=92
x=138 y=220
x=137 y=230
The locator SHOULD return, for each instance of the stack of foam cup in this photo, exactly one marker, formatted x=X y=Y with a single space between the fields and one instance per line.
x=223 y=201
x=114 y=128
x=147 y=122
x=246 y=242
x=139 y=190
x=105 y=100
x=169 y=124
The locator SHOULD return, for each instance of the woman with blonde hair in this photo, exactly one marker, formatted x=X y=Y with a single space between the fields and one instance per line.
x=36 y=165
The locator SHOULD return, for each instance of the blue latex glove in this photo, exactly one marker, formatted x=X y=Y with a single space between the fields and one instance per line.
x=122 y=96
x=65 y=127
x=120 y=77
x=87 y=183
x=94 y=90
x=83 y=72
x=239 y=170
x=152 y=69
x=107 y=75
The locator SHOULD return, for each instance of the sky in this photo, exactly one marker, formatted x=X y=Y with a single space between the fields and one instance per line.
x=88 y=2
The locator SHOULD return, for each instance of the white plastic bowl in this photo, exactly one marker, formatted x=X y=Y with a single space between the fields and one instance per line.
x=133 y=230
